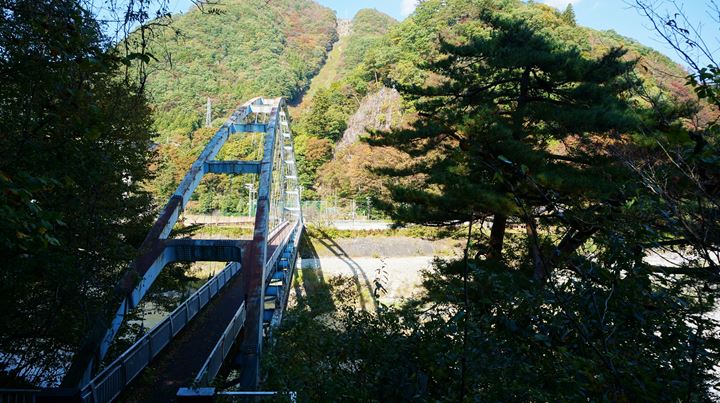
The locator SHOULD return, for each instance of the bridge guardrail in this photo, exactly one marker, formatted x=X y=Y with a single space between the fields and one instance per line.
x=283 y=297
x=214 y=362
x=272 y=260
x=18 y=395
x=110 y=382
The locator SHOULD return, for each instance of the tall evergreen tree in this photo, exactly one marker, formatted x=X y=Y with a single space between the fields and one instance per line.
x=514 y=130
x=519 y=126
x=569 y=14
x=75 y=151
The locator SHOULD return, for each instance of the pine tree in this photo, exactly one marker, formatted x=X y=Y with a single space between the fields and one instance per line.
x=519 y=126
x=569 y=15
x=484 y=146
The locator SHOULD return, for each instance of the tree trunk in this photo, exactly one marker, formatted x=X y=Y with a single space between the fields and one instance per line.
x=497 y=236
x=540 y=271
x=574 y=239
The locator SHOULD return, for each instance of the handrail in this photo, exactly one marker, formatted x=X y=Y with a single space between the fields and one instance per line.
x=244 y=394
x=110 y=382
x=214 y=362
x=285 y=293
x=18 y=395
x=273 y=259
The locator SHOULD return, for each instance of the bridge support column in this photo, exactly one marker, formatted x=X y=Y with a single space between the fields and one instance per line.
x=254 y=269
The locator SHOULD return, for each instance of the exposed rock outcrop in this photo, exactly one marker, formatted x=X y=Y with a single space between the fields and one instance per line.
x=378 y=111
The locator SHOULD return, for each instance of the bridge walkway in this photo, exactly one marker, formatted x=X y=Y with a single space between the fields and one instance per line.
x=181 y=361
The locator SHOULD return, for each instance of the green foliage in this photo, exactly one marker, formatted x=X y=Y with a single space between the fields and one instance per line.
x=524 y=119
x=253 y=48
x=569 y=15
x=519 y=349
x=250 y=49
x=414 y=231
x=74 y=155
x=326 y=114
x=507 y=90
x=368 y=27
x=706 y=83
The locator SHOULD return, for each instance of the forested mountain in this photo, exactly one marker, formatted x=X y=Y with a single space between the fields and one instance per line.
x=232 y=56
x=247 y=49
x=396 y=59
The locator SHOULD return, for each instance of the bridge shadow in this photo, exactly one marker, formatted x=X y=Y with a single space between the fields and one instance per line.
x=359 y=276
x=312 y=291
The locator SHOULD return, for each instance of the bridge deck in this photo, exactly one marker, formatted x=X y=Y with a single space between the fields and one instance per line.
x=178 y=365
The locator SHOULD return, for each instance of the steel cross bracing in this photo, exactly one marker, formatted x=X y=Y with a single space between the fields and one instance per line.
x=265 y=264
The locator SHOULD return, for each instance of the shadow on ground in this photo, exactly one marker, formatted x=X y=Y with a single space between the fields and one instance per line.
x=359 y=275
x=311 y=290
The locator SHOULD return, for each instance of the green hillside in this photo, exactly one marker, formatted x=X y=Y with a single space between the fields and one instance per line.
x=363 y=32
x=277 y=50
x=336 y=93
x=248 y=49
x=396 y=59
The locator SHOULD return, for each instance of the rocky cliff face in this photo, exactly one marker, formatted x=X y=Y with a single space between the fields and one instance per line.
x=377 y=111
x=344 y=27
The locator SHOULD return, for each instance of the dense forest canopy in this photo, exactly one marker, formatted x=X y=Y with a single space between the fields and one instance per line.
x=249 y=48
x=75 y=149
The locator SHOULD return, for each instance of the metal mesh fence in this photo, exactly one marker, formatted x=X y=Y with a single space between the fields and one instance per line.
x=328 y=211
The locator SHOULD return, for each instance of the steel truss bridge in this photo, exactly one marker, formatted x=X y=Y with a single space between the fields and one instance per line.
x=223 y=324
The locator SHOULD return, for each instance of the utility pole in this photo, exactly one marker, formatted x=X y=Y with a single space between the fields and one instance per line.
x=353 y=212
x=208 y=114
x=251 y=189
x=368 y=206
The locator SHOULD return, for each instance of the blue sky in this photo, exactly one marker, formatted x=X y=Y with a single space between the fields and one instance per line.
x=598 y=14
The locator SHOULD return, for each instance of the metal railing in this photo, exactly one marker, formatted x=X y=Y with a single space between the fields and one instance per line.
x=109 y=383
x=18 y=395
x=272 y=261
x=214 y=362
x=292 y=261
